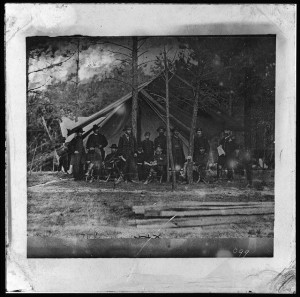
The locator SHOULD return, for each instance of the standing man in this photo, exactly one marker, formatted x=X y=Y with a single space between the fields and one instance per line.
x=77 y=152
x=127 y=150
x=140 y=159
x=229 y=146
x=177 y=150
x=161 y=139
x=97 y=140
x=200 y=142
x=148 y=147
x=95 y=146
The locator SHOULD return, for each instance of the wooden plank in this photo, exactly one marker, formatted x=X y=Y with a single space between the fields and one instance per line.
x=198 y=222
x=200 y=203
x=198 y=206
x=219 y=212
x=190 y=208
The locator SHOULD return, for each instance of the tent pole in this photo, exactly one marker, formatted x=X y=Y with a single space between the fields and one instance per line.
x=169 y=145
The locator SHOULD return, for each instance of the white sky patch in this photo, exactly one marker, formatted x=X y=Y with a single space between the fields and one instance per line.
x=96 y=62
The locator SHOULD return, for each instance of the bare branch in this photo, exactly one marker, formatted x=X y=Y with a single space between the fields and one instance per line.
x=30 y=90
x=52 y=65
x=124 y=82
x=119 y=53
x=109 y=42
x=174 y=57
x=123 y=60
x=143 y=42
x=146 y=62
x=142 y=53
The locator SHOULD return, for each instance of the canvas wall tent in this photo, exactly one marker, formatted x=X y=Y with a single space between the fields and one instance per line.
x=152 y=114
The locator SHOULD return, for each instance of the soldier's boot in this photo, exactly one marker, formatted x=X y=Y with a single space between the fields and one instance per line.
x=149 y=179
x=70 y=171
x=121 y=177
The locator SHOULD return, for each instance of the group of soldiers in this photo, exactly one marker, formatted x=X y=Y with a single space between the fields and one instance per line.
x=147 y=159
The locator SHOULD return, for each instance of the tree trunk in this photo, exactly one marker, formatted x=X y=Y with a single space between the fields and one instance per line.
x=134 y=85
x=247 y=107
x=192 y=136
x=77 y=82
x=169 y=145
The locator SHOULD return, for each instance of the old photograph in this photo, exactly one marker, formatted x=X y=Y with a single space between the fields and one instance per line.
x=150 y=148
x=150 y=139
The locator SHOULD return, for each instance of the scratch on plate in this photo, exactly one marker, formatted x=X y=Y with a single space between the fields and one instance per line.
x=151 y=237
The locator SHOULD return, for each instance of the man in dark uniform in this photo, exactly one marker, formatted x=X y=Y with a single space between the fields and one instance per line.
x=200 y=141
x=95 y=146
x=127 y=150
x=140 y=159
x=148 y=147
x=201 y=163
x=77 y=152
x=228 y=145
x=177 y=150
x=97 y=140
x=161 y=139
x=112 y=162
x=158 y=166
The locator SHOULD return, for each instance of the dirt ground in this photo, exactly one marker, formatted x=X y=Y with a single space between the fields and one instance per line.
x=61 y=207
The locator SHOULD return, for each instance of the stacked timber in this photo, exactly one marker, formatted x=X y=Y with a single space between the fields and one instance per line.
x=197 y=214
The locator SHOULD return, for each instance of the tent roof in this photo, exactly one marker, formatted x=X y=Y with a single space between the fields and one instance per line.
x=152 y=93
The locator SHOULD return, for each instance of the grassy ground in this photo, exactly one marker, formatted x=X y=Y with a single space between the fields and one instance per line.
x=61 y=207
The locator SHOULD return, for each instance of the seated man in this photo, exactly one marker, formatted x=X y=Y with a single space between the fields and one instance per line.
x=140 y=159
x=158 y=167
x=113 y=163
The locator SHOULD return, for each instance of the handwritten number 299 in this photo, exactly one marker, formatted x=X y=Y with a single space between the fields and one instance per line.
x=241 y=251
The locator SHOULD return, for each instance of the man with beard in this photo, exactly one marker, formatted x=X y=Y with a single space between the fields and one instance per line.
x=148 y=147
x=77 y=152
x=200 y=141
x=127 y=150
x=158 y=167
x=161 y=139
x=97 y=140
x=95 y=146
x=228 y=157
x=177 y=150
x=113 y=163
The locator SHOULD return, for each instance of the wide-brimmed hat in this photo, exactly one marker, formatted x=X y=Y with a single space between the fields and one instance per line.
x=127 y=127
x=161 y=128
x=147 y=133
x=95 y=127
x=175 y=129
x=113 y=146
x=79 y=130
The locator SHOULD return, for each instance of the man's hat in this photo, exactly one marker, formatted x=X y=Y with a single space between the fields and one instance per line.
x=158 y=147
x=175 y=129
x=147 y=133
x=113 y=146
x=161 y=128
x=79 y=130
x=127 y=127
x=198 y=129
x=95 y=127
